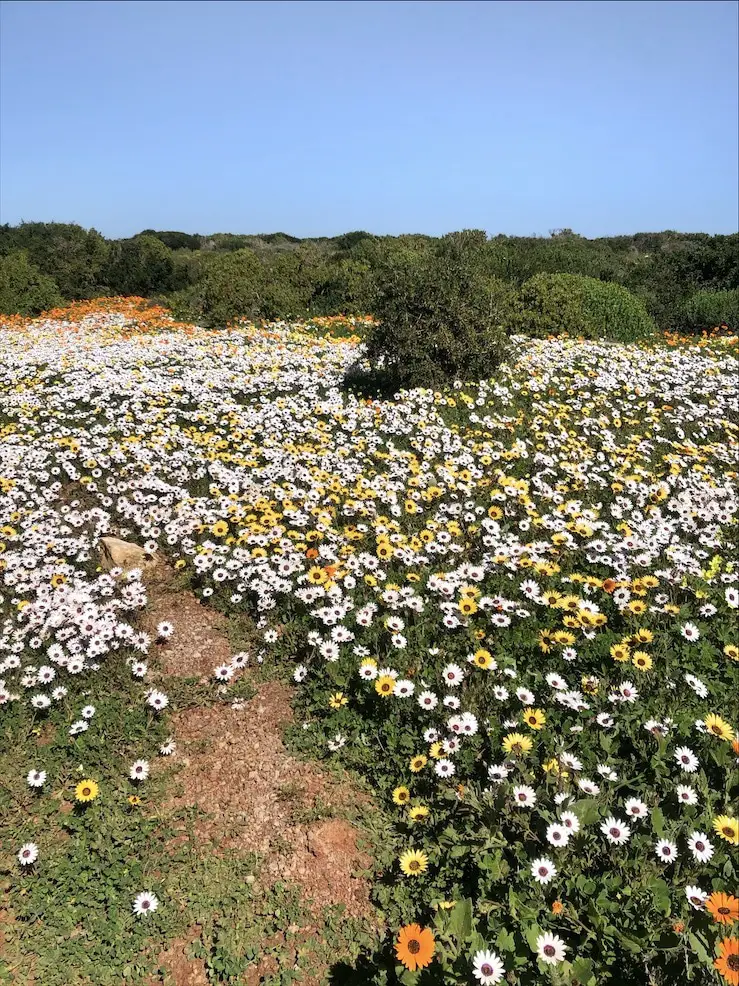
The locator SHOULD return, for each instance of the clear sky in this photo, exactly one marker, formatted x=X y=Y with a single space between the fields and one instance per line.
x=316 y=118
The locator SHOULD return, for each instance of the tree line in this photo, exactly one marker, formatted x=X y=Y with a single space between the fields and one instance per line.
x=683 y=281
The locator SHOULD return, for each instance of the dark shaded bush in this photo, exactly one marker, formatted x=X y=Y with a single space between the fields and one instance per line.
x=73 y=256
x=346 y=288
x=556 y=304
x=232 y=287
x=141 y=266
x=24 y=290
x=290 y=280
x=708 y=310
x=174 y=239
x=441 y=317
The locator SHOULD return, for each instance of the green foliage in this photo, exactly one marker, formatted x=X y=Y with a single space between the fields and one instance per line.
x=140 y=266
x=232 y=287
x=73 y=256
x=708 y=309
x=344 y=274
x=290 y=280
x=95 y=859
x=440 y=315
x=174 y=239
x=346 y=288
x=24 y=290
x=554 y=304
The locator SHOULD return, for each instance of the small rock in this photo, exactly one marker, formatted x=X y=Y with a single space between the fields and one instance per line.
x=123 y=554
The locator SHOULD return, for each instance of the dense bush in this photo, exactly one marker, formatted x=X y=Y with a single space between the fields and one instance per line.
x=140 y=266
x=345 y=274
x=232 y=287
x=440 y=316
x=24 y=290
x=73 y=256
x=709 y=309
x=553 y=304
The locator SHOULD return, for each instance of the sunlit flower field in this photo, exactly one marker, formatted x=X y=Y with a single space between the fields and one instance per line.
x=512 y=607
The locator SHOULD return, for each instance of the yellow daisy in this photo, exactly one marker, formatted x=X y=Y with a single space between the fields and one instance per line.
x=385 y=685
x=534 y=718
x=517 y=744
x=719 y=727
x=728 y=828
x=413 y=862
x=86 y=790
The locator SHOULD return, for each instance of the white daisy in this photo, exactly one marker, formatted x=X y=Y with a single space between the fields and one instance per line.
x=700 y=846
x=487 y=967
x=524 y=796
x=28 y=854
x=145 y=903
x=543 y=870
x=139 y=770
x=665 y=851
x=558 y=835
x=616 y=831
x=550 y=948
x=696 y=897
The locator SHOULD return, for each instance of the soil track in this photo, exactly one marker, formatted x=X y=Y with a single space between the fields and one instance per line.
x=236 y=769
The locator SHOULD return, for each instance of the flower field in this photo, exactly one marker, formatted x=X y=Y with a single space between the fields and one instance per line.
x=512 y=607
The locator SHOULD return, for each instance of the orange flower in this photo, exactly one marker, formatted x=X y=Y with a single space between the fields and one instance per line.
x=415 y=947
x=727 y=962
x=557 y=907
x=609 y=585
x=723 y=907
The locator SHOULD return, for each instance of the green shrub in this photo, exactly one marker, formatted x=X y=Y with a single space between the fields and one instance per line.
x=440 y=316
x=555 y=304
x=24 y=290
x=345 y=289
x=709 y=309
x=232 y=287
x=141 y=266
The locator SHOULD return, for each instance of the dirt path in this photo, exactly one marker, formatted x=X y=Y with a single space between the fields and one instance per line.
x=235 y=767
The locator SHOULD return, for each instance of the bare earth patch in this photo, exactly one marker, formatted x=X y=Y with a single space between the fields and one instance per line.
x=199 y=644
x=236 y=769
x=253 y=789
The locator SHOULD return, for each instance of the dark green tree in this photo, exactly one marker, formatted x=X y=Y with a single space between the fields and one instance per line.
x=141 y=266
x=441 y=316
x=232 y=287
x=24 y=290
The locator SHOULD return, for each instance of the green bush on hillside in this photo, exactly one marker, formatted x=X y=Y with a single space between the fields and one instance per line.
x=232 y=287
x=709 y=309
x=557 y=304
x=24 y=290
x=441 y=317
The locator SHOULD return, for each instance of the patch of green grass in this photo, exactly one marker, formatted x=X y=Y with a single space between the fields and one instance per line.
x=73 y=923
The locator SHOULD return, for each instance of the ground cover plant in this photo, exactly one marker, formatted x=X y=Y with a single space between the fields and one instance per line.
x=511 y=606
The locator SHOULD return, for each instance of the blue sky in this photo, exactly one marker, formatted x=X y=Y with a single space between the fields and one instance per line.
x=318 y=118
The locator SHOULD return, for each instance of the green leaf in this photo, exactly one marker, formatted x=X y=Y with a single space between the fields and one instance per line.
x=699 y=948
x=531 y=934
x=658 y=822
x=661 y=896
x=582 y=970
x=587 y=811
x=405 y=976
x=460 y=925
